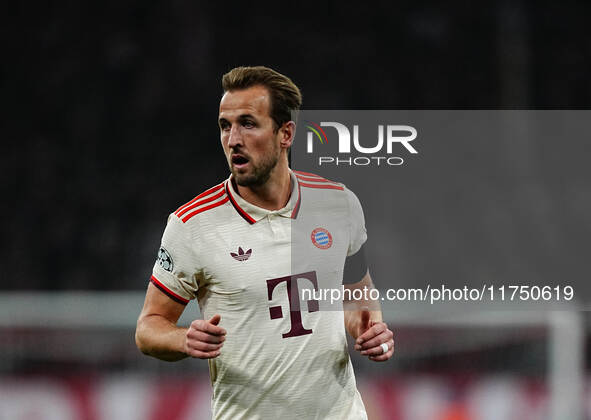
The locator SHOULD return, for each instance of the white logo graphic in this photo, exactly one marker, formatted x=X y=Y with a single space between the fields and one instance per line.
x=388 y=136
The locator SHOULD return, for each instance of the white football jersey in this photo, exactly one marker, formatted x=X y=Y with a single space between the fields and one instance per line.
x=284 y=357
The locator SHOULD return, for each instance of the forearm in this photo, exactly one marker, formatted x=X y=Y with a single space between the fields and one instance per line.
x=355 y=308
x=158 y=337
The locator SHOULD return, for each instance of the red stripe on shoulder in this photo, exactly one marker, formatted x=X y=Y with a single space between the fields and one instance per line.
x=202 y=209
x=322 y=180
x=202 y=195
x=322 y=183
x=307 y=174
x=168 y=292
x=322 y=186
x=200 y=202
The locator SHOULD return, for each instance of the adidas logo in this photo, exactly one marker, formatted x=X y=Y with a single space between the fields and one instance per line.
x=241 y=256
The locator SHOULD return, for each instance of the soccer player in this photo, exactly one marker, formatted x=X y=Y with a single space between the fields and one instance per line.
x=245 y=249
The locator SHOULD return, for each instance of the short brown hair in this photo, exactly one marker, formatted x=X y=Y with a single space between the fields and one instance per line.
x=286 y=97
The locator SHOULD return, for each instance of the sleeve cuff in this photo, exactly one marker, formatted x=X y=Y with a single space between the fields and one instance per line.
x=168 y=292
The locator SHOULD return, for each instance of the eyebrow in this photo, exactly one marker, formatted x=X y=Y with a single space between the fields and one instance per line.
x=241 y=117
x=246 y=116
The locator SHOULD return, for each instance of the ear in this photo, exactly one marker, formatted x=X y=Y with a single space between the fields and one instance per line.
x=287 y=134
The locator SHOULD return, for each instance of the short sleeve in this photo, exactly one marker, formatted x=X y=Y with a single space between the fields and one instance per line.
x=358 y=233
x=175 y=270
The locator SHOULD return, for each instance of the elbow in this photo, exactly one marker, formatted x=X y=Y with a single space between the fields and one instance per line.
x=140 y=341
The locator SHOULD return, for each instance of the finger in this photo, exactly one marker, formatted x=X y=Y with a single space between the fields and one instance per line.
x=373 y=342
x=204 y=347
x=378 y=350
x=205 y=337
x=370 y=340
x=213 y=329
x=373 y=331
x=215 y=320
x=382 y=357
x=206 y=326
x=203 y=354
x=382 y=337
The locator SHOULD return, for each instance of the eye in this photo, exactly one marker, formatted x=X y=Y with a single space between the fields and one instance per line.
x=249 y=124
x=224 y=126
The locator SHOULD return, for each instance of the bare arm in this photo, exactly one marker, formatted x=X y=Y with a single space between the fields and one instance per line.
x=363 y=321
x=354 y=309
x=158 y=335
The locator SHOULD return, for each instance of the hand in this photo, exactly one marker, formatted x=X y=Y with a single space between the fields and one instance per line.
x=204 y=338
x=373 y=334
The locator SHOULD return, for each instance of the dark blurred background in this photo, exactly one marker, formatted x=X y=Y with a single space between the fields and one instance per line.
x=109 y=118
x=110 y=108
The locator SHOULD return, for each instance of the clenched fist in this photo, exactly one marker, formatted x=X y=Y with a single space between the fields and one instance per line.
x=205 y=338
x=374 y=339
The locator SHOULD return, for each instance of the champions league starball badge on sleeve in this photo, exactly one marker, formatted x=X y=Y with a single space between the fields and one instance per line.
x=164 y=259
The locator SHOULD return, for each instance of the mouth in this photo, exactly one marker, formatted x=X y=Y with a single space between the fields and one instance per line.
x=239 y=161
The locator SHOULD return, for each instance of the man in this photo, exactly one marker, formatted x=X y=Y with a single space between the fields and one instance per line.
x=244 y=249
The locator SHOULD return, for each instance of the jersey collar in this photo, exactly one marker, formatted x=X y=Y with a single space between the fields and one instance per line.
x=253 y=214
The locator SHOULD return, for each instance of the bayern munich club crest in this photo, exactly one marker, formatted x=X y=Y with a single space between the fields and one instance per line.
x=321 y=238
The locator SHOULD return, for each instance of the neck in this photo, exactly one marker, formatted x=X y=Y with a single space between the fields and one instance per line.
x=273 y=194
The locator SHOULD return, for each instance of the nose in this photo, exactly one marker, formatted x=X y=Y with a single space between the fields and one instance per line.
x=235 y=137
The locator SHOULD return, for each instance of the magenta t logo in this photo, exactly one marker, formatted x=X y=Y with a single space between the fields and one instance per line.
x=295 y=314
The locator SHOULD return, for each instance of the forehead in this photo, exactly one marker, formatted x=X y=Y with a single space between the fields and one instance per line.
x=254 y=101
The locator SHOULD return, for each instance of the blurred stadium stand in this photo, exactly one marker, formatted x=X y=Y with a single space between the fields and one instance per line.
x=496 y=364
